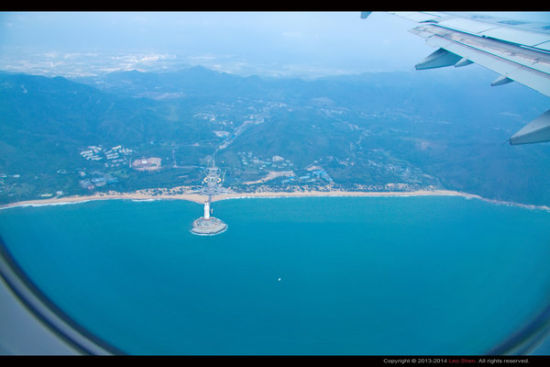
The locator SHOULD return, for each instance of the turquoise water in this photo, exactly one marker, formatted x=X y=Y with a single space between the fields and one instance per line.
x=409 y=275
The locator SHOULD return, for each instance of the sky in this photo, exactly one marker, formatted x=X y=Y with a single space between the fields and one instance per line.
x=300 y=43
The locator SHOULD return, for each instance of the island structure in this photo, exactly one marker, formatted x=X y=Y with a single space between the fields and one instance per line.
x=208 y=225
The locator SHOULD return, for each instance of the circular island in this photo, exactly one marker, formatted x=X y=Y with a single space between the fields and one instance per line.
x=207 y=225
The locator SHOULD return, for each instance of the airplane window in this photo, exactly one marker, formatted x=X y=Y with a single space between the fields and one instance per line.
x=274 y=183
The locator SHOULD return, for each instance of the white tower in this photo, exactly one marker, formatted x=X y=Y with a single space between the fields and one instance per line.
x=207 y=210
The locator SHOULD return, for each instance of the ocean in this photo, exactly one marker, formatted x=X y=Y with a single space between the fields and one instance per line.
x=306 y=276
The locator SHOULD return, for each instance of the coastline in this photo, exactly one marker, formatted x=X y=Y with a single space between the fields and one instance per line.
x=75 y=199
x=342 y=194
x=200 y=199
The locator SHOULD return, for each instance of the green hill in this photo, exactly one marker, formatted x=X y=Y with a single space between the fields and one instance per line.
x=443 y=128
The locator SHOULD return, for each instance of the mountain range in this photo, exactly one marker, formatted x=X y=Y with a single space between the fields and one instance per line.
x=444 y=128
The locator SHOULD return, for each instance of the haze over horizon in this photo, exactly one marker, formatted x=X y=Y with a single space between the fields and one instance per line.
x=303 y=44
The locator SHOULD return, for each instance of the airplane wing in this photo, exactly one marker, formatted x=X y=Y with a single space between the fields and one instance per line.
x=517 y=54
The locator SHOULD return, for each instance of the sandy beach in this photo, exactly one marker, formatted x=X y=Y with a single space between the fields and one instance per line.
x=105 y=196
x=197 y=198
x=342 y=194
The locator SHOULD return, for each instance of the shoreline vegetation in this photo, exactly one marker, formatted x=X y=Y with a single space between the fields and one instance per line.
x=200 y=199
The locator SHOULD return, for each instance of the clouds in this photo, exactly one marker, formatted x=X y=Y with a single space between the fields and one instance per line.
x=284 y=42
x=320 y=40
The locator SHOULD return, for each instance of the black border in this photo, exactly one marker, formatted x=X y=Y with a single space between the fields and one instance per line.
x=279 y=6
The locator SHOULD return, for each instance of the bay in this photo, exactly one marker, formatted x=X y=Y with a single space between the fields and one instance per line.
x=313 y=276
